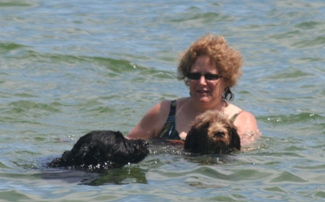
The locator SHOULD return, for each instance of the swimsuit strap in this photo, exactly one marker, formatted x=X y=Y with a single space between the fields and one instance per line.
x=233 y=118
x=169 y=131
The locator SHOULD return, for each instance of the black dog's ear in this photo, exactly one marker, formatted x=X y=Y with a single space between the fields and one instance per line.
x=235 y=139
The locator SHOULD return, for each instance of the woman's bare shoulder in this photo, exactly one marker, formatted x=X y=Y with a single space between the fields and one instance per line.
x=160 y=107
x=246 y=121
x=247 y=127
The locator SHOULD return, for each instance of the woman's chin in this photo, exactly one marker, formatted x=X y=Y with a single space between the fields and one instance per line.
x=204 y=99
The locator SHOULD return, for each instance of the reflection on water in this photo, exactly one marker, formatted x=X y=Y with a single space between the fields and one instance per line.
x=118 y=176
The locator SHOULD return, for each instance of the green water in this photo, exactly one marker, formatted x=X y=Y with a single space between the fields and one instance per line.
x=69 y=67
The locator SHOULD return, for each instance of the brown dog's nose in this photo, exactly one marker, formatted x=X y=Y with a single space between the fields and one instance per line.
x=219 y=134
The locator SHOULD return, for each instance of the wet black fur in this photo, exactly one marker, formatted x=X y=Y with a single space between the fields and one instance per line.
x=102 y=150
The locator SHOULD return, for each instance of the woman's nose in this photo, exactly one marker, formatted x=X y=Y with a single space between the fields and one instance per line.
x=202 y=79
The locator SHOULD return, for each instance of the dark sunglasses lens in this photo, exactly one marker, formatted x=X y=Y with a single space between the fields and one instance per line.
x=211 y=76
x=208 y=76
x=194 y=76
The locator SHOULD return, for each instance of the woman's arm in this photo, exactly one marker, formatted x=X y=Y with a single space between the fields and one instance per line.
x=152 y=122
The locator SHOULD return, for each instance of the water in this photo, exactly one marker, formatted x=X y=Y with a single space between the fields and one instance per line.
x=69 y=67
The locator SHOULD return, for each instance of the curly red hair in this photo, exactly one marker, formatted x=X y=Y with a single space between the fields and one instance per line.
x=228 y=61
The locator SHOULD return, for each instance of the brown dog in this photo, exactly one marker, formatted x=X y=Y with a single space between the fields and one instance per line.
x=212 y=133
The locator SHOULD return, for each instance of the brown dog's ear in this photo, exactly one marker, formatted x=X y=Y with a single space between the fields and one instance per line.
x=191 y=141
x=196 y=139
x=235 y=139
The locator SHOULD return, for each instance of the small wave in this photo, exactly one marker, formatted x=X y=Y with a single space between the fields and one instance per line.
x=30 y=108
x=287 y=177
x=309 y=25
x=316 y=42
x=189 y=20
x=293 y=118
x=9 y=4
x=10 y=46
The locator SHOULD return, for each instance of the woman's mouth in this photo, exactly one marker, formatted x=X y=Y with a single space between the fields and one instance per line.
x=203 y=91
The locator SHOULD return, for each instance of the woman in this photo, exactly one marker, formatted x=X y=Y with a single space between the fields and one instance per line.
x=209 y=68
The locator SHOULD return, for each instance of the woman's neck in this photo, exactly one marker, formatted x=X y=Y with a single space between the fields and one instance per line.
x=199 y=108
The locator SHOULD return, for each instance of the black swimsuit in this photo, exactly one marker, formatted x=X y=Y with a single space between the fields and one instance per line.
x=169 y=132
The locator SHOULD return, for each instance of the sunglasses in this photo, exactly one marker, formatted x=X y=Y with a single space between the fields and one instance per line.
x=207 y=76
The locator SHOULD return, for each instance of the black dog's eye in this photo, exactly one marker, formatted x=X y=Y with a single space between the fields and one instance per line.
x=219 y=134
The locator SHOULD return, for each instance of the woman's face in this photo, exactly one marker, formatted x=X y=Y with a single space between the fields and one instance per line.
x=205 y=86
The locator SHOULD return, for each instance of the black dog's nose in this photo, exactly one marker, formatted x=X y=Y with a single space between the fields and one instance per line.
x=219 y=134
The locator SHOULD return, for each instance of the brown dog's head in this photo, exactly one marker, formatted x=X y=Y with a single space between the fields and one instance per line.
x=212 y=133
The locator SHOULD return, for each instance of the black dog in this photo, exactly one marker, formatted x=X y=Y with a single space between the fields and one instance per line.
x=212 y=133
x=102 y=150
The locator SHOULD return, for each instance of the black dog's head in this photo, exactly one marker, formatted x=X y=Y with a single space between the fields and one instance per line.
x=101 y=150
x=212 y=133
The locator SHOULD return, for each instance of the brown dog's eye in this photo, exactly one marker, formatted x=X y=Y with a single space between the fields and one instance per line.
x=219 y=134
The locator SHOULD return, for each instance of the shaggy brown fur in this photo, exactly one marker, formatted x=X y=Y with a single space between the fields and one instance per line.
x=210 y=133
x=102 y=150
